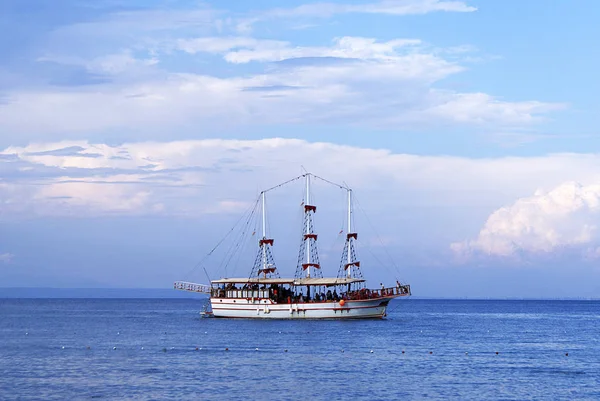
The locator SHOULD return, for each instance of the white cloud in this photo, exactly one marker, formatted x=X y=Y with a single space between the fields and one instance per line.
x=111 y=64
x=327 y=10
x=390 y=7
x=480 y=108
x=405 y=7
x=380 y=86
x=218 y=44
x=240 y=50
x=133 y=86
x=186 y=177
x=565 y=217
x=6 y=257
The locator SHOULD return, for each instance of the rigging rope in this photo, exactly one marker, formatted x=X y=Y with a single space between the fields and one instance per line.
x=186 y=276
x=398 y=274
x=330 y=182
x=242 y=238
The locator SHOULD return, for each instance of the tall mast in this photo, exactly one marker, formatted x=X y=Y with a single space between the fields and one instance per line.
x=351 y=264
x=264 y=232
x=308 y=258
x=308 y=227
x=264 y=260
x=349 y=255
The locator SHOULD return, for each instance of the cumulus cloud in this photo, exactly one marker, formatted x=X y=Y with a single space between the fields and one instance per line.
x=563 y=218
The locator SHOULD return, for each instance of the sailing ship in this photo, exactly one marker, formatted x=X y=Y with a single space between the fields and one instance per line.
x=264 y=294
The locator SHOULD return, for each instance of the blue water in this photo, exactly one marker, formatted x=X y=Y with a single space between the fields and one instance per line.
x=531 y=338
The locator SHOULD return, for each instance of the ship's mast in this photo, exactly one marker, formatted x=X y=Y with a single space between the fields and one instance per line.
x=308 y=259
x=264 y=232
x=264 y=259
x=306 y=238
x=349 y=255
x=351 y=266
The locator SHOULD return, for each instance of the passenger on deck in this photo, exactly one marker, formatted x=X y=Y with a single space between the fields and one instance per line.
x=335 y=296
x=329 y=295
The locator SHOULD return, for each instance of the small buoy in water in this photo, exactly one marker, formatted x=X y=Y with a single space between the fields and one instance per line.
x=342 y=351
x=403 y=351
x=566 y=354
x=466 y=353
x=114 y=348
x=285 y=350
x=226 y=349
x=430 y=352
x=496 y=352
x=371 y=351
x=255 y=349
x=196 y=348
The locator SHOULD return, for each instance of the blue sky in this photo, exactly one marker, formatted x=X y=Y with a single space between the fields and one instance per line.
x=132 y=134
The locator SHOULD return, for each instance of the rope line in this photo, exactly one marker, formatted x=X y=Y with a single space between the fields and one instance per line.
x=187 y=276
x=396 y=268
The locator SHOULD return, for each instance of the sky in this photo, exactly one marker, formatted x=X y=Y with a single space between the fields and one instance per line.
x=134 y=134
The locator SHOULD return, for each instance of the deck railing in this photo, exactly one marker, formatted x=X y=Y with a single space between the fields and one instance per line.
x=402 y=290
x=192 y=287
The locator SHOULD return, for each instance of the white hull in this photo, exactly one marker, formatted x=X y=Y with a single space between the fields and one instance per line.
x=267 y=309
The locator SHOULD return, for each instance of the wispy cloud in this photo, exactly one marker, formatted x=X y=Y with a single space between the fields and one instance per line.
x=239 y=50
x=185 y=177
x=6 y=257
x=151 y=74
x=389 y=7
x=382 y=85
x=328 y=10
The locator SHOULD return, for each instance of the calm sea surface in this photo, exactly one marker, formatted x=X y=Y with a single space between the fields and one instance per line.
x=146 y=349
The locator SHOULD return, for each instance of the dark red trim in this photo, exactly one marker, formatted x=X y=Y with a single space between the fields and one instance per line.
x=308 y=208
x=307 y=265
x=347 y=265
x=265 y=241
x=352 y=235
x=313 y=236
x=267 y=270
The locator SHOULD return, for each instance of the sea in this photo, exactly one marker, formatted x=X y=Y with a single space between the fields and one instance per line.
x=162 y=349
